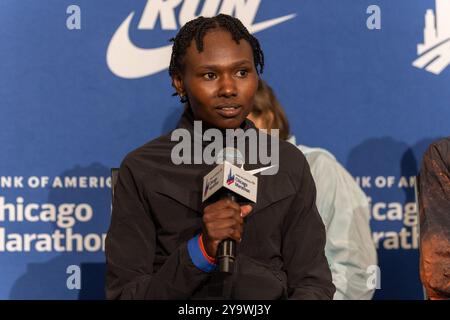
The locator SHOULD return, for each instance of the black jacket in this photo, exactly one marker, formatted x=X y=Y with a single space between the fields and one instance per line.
x=157 y=209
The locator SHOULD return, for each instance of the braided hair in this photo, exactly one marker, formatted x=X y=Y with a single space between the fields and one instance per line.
x=197 y=28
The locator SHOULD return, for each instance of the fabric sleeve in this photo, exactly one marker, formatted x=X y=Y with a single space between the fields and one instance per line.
x=434 y=207
x=345 y=210
x=130 y=251
x=308 y=274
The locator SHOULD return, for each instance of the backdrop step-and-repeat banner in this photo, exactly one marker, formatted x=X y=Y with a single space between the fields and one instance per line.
x=83 y=82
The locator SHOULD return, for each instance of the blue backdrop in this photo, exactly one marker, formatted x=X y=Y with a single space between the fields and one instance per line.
x=82 y=84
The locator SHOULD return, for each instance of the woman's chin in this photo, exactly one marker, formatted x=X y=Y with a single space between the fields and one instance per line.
x=230 y=123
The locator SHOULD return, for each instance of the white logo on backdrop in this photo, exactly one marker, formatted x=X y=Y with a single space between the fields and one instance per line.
x=129 y=61
x=434 y=52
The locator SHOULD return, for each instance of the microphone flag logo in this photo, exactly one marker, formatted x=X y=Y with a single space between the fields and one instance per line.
x=230 y=178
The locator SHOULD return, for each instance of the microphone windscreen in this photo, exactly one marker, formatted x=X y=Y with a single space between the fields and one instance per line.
x=231 y=155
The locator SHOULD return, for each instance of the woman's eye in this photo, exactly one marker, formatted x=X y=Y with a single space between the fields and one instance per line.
x=209 y=76
x=242 y=73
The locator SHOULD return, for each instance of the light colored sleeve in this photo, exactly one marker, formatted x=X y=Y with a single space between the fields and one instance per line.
x=344 y=209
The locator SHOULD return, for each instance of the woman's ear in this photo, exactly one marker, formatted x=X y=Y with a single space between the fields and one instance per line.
x=177 y=83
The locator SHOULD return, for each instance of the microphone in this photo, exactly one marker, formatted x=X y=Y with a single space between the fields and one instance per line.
x=227 y=180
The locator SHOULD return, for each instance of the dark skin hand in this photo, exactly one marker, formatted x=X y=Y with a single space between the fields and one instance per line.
x=220 y=83
x=222 y=220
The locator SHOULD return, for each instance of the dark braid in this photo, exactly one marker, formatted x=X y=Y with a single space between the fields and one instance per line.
x=197 y=28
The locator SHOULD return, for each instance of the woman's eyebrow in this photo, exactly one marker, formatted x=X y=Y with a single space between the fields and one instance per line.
x=219 y=66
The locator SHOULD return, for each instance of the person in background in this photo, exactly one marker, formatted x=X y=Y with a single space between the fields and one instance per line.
x=343 y=206
x=434 y=208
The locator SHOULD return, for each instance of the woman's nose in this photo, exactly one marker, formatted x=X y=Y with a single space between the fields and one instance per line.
x=228 y=86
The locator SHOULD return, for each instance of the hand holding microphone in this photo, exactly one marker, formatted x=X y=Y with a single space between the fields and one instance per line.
x=222 y=220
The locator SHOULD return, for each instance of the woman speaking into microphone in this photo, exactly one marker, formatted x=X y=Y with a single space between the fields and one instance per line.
x=163 y=240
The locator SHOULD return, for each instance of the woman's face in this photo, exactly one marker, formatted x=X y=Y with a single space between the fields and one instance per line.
x=221 y=81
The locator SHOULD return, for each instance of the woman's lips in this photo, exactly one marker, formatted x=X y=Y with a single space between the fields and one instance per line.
x=229 y=111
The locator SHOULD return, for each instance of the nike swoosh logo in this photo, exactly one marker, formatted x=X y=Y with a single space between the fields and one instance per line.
x=128 y=61
x=260 y=26
x=253 y=172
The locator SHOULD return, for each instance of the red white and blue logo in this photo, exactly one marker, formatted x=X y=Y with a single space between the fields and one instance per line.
x=206 y=188
x=230 y=178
